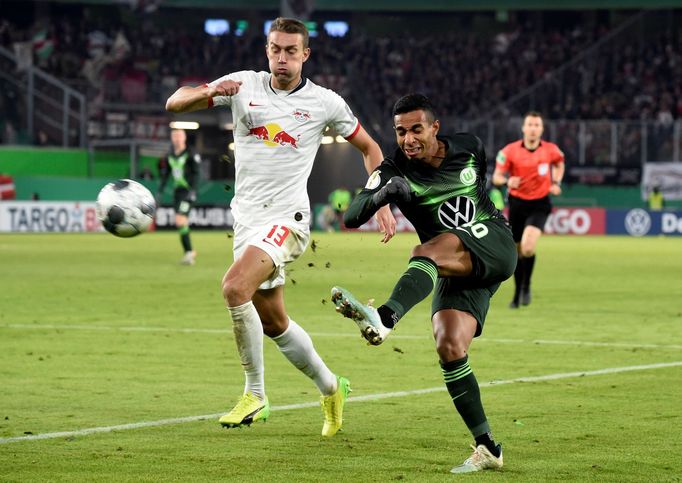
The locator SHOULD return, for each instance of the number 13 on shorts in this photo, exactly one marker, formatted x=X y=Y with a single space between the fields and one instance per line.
x=277 y=235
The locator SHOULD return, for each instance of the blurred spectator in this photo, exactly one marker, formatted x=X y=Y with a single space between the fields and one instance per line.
x=339 y=200
x=146 y=174
x=9 y=135
x=656 y=201
x=42 y=138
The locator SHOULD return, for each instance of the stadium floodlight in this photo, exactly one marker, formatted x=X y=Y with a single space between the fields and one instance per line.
x=340 y=139
x=191 y=125
x=327 y=139
x=336 y=28
x=216 y=26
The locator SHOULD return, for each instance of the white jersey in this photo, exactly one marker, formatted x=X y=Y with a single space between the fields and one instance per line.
x=276 y=138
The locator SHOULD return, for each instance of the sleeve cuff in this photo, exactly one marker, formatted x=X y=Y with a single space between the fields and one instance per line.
x=355 y=131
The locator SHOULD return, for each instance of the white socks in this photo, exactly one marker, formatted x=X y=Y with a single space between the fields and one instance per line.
x=248 y=333
x=297 y=346
x=294 y=343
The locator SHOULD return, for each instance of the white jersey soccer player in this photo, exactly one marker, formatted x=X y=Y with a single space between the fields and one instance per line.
x=276 y=136
x=279 y=120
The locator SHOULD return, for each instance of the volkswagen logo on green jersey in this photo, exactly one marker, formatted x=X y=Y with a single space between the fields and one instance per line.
x=457 y=212
x=468 y=176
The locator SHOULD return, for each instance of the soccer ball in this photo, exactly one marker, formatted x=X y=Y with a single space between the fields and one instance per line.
x=125 y=208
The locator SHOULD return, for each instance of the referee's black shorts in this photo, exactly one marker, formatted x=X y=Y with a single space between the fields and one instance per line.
x=528 y=212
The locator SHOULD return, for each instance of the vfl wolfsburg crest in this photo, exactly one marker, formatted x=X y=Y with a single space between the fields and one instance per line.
x=468 y=176
x=457 y=211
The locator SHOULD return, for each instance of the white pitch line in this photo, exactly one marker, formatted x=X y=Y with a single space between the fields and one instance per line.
x=187 y=330
x=369 y=397
x=191 y=330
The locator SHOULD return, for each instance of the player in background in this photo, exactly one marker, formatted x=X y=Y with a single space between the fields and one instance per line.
x=339 y=200
x=182 y=164
x=531 y=169
x=466 y=251
x=279 y=118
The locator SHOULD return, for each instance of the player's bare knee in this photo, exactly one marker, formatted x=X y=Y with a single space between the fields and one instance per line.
x=450 y=349
x=234 y=292
x=423 y=250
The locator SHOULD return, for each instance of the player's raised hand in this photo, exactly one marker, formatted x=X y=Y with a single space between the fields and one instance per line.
x=386 y=222
x=225 y=88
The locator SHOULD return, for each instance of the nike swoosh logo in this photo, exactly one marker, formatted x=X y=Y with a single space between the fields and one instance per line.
x=459 y=395
x=251 y=104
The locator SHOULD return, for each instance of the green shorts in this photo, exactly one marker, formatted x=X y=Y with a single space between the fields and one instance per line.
x=182 y=202
x=493 y=254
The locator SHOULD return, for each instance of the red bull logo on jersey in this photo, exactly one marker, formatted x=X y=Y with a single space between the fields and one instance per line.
x=302 y=115
x=273 y=135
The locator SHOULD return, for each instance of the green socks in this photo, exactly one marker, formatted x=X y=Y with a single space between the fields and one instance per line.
x=184 y=238
x=413 y=287
x=464 y=391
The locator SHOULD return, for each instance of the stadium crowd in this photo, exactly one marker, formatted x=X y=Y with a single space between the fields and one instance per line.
x=136 y=60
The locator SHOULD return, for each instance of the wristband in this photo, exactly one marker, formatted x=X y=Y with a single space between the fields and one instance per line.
x=210 y=99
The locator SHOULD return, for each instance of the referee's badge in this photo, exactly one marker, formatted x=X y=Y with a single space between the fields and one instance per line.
x=468 y=176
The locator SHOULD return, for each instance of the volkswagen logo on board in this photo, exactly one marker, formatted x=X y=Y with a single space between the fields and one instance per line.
x=637 y=222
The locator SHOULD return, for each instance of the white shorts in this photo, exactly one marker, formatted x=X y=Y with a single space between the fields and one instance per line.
x=283 y=244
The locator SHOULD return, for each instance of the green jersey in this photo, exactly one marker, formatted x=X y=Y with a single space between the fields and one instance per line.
x=443 y=198
x=183 y=168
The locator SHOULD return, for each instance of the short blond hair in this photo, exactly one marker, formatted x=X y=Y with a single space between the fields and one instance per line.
x=290 y=26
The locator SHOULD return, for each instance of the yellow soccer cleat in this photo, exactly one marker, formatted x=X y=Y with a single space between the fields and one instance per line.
x=332 y=407
x=248 y=409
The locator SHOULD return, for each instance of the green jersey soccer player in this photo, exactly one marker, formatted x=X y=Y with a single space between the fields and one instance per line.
x=466 y=251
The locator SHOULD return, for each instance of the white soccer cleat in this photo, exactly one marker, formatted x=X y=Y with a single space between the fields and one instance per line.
x=188 y=258
x=481 y=459
x=365 y=316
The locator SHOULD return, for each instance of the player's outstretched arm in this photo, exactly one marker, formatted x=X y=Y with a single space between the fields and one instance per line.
x=372 y=157
x=360 y=210
x=368 y=201
x=189 y=99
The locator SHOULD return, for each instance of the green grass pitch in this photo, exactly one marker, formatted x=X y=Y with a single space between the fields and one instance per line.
x=98 y=332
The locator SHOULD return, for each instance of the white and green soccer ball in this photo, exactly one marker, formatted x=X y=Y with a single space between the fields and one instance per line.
x=125 y=208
